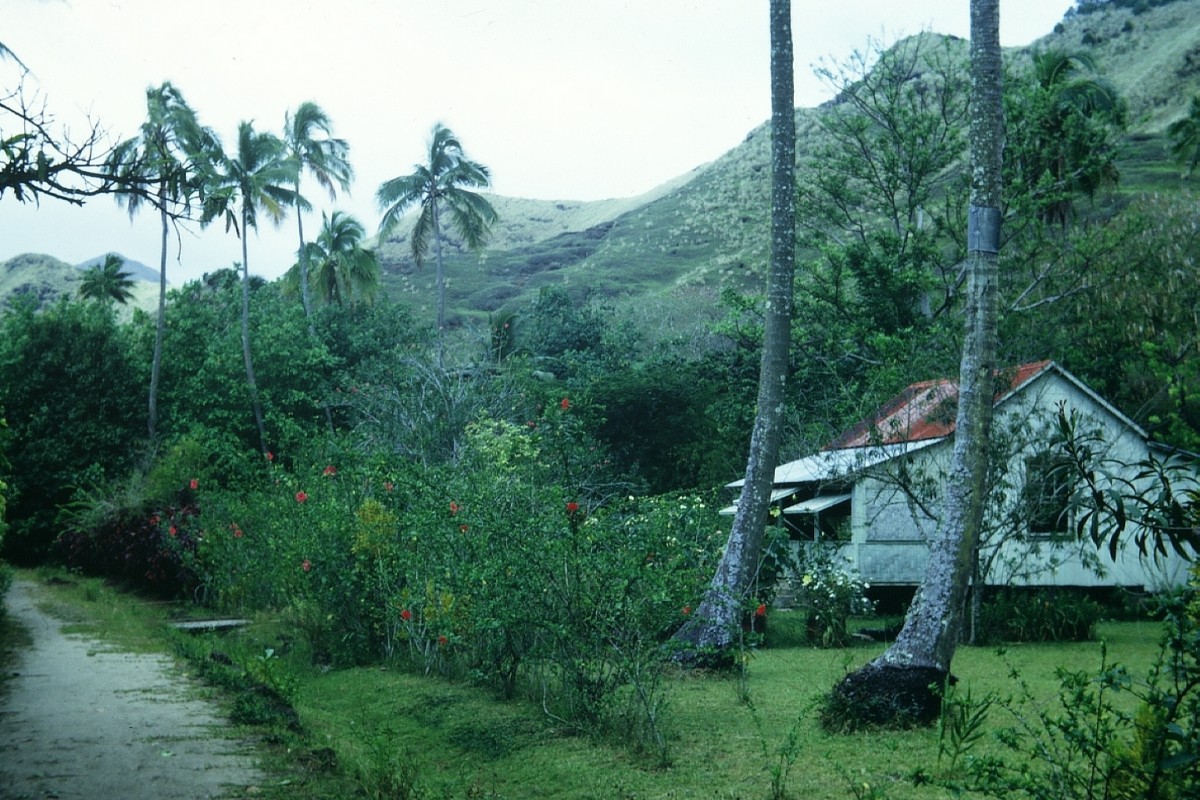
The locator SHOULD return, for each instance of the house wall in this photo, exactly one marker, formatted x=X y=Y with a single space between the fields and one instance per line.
x=889 y=531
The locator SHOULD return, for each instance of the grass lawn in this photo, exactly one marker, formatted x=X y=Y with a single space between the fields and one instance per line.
x=388 y=730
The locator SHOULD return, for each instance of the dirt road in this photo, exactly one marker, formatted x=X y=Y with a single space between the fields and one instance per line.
x=80 y=720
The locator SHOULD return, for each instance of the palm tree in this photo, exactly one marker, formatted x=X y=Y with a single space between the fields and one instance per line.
x=237 y=189
x=107 y=282
x=1185 y=138
x=1067 y=122
x=164 y=156
x=895 y=687
x=717 y=620
x=308 y=137
x=343 y=269
x=441 y=185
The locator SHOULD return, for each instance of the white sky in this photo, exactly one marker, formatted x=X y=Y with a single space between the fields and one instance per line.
x=562 y=99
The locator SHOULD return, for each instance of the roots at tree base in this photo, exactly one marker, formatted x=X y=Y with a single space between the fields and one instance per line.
x=885 y=696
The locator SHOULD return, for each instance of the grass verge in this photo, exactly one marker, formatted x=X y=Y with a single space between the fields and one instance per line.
x=381 y=732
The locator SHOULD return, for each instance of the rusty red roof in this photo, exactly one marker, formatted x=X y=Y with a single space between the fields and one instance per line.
x=926 y=410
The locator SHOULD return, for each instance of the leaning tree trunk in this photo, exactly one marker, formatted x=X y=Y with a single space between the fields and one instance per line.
x=251 y=383
x=712 y=632
x=894 y=689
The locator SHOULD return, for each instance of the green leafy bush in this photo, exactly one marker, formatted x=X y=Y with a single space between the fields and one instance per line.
x=1090 y=744
x=1041 y=615
x=829 y=594
x=502 y=568
x=144 y=544
x=73 y=397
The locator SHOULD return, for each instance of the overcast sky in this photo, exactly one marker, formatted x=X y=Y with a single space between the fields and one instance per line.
x=562 y=99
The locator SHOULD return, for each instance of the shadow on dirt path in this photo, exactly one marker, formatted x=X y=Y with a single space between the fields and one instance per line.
x=81 y=720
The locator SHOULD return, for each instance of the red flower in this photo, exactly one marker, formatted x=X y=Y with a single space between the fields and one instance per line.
x=406 y=615
x=388 y=486
x=454 y=507
x=761 y=611
x=237 y=532
x=572 y=507
x=301 y=497
x=173 y=531
x=194 y=484
x=442 y=640
x=330 y=470
x=462 y=528
x=687 y=610
x=270 y=456
x=306 y=565
x=565 y=404
x=154 y=519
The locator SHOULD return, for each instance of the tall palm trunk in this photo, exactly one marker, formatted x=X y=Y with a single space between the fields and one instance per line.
x=160 y=326
x=305 y=294
x=717 y=620
x=895 y=687
x=251 y=383
x=440 y=279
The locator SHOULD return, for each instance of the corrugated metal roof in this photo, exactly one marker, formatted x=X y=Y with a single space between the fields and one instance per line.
x=926 y=410
x=815 y=504
x=826 y=465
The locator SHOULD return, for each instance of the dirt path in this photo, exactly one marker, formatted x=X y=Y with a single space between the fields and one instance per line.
x=80 y=720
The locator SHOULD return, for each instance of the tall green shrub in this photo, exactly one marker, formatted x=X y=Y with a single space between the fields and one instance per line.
x=73 y=395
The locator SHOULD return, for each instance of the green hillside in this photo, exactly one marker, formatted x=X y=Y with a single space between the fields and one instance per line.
x=45 y=278
x=710 y=227
x=39 y=276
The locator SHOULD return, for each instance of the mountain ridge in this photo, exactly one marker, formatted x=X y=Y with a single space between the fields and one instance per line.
x=709 y=226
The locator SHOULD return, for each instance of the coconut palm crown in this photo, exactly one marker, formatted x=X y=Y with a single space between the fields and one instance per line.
x=441 y=186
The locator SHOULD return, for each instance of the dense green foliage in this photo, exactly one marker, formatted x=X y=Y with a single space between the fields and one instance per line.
x=528 y=505
x=70 y=388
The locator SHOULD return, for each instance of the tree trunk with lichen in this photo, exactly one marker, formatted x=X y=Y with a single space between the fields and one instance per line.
x=895 y=688
x=712 y=631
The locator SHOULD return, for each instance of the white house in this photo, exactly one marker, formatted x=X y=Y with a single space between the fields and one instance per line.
x=876 y=489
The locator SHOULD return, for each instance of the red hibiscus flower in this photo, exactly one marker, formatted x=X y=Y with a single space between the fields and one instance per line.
x=687 y=610
x=173 y=531
x=761 y=611
x=454 y=507
x=443 y=641
x=565 y=404
x=301 y=497
x=270 y=456
x=329 y=471
x=194 y=484
x=406 y=615
x=572 y=507
x=306 y=565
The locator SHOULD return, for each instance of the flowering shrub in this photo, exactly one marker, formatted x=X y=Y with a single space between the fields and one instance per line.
x=147 y=547
x=830 y=594
x=518 y=578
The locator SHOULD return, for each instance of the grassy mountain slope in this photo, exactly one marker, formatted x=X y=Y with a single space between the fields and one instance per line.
x=46 y=279
x=1152 y=58
x=710 y=229
x=40 y=276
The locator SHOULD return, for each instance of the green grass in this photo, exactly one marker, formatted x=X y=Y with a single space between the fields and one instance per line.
x=381 y=729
